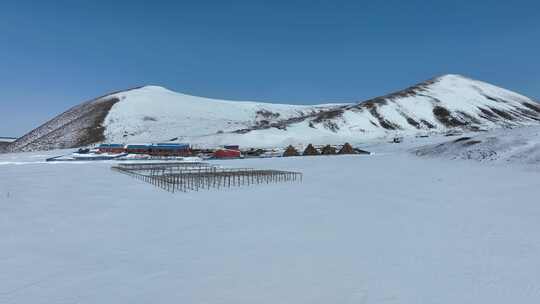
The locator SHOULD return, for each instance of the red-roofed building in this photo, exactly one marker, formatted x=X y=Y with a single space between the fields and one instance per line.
x=227 y=153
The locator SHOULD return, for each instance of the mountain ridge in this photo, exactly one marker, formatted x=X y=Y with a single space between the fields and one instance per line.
x=153 y=113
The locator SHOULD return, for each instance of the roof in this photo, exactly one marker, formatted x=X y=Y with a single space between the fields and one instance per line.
x=138 y=146
x=110 y=146
x=226 y=153
x=163 y=146
x=171 y=146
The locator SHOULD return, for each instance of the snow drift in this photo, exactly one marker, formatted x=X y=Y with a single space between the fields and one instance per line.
x=152 y=114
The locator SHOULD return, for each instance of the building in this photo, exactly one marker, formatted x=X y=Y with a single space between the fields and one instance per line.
x=111 y=148
x=227 y=153
x=170 y=149
x=139 y=148
x=232 y=147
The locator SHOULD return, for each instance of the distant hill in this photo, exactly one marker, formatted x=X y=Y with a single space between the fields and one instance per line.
x=154 y=114
x=5 y=141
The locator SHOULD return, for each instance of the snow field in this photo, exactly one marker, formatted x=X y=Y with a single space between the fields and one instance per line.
x=386 y=228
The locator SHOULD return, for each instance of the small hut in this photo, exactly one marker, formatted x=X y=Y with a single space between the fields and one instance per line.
x=328 y=150
x=290 y=151
x=310 y=150
x=347 y=149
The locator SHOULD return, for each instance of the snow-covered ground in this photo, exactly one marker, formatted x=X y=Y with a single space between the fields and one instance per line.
x=385 y=228
x=520 y=145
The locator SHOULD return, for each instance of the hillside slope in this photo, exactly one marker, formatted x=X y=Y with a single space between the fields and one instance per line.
x=4 y=142
x=520 y=145
x=435 y=106
x=150 y=114
x=79 y=126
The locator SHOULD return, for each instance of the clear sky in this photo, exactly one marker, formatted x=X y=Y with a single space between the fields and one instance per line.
x=56 y=54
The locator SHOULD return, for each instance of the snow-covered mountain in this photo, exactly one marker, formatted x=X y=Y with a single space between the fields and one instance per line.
x=152 y=114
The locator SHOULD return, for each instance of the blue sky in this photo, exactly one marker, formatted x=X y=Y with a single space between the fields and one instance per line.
x=56 y=54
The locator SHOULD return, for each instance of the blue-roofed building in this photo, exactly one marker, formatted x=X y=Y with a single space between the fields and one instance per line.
x=171 y=149
x=160 y=149
x=139 y=148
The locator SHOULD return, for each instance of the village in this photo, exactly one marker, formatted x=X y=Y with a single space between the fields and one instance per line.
x=176 y=151
x=179 y=167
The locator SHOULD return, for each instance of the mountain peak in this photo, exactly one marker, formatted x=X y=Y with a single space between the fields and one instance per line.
x=155 y=88
x=453 y=76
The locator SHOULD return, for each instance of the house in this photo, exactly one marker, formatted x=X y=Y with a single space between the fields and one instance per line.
x=170 y=149
x=227 y=153
x=110 y=148
x=139 y=148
